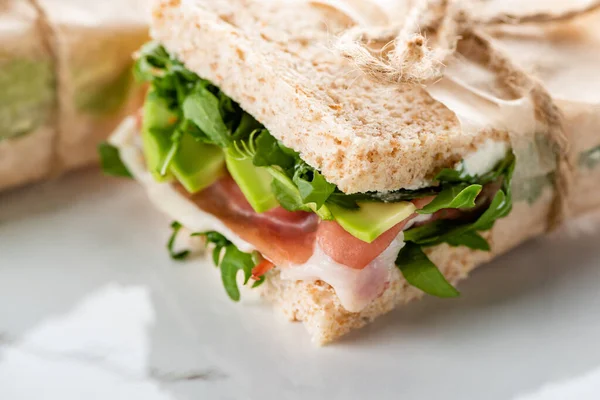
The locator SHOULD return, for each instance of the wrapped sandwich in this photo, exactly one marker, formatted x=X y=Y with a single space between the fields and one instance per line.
x=565 y=56
x=65 y=69
x=285 y=135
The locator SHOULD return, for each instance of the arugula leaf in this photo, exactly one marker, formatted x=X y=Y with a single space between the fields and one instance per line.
x=246 y=127
x=499 y=208
x=218 y=240
x=152 y=60
x=312 y=186
x=230 y=111
x=459 y=190
x=470 y=239
x=203 y=109
x=287 y=195
x=343 y=200
x=420 y=272
x=110 y=161
x=453 y=196
x=461 y=233
x=429 y=232
x=259 y=282
x=269 y=152
x=176 y=226
x=230 y=260
x=233 y=261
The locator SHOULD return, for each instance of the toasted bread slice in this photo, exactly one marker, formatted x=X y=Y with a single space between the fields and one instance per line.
x=275 y=58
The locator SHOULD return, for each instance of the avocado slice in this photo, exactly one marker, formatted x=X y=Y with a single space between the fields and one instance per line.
x=372 y=219
x=158 y=120
x=255 y=183
x=197 y=165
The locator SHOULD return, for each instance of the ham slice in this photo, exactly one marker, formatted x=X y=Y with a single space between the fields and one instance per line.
x=347 y=250
x=284 y=237
x=281 y=236
x=288 y=238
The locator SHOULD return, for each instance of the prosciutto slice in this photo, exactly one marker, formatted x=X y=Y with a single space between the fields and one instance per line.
x=288 y=238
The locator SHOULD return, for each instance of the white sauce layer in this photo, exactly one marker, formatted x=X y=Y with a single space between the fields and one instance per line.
x=355 y=288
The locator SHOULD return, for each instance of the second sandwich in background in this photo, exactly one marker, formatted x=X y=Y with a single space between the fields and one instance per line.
x=67 y=81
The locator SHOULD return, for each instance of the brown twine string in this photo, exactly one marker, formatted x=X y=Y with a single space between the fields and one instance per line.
x=412 y=59
x=429 y=36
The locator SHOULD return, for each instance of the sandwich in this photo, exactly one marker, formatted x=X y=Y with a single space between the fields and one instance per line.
x=66 y=74
x=335 y=193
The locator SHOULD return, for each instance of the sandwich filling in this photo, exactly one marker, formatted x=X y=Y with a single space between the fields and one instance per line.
x=221 y=174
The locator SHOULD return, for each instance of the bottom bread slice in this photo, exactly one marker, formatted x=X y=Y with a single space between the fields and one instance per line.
x=318 y=307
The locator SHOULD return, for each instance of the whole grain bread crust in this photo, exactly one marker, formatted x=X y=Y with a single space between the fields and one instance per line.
x=277 y=62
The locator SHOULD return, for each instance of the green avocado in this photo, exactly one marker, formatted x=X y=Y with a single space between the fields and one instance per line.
x=158 y=120
x=196 y=165
x=255 y=183
x=372 y=218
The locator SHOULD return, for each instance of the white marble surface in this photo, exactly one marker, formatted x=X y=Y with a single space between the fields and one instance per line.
x=91 y=307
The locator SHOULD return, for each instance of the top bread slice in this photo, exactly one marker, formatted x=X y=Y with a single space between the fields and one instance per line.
x=275 y=58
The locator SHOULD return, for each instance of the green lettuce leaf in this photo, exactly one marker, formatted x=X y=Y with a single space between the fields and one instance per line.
x=421 y=273
x=453 y=196
x=269 y=152
x=110 y=161
x=455 y=232
x=203 y=109
x=176 y=255
x=230 y=260
x=312 y=186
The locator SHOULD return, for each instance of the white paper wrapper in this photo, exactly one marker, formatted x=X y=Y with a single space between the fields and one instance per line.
x=566 y=57
x=469 y=91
